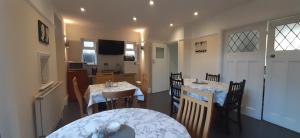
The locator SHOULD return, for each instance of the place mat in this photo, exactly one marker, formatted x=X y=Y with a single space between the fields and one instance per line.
x=124 y=132
x=203 y=83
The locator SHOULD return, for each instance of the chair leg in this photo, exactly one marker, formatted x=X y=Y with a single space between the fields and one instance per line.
x=239 y=118
x=227 y=121
x=172 y=108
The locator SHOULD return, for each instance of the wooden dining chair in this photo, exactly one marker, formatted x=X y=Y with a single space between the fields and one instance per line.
x=211 y=77
x=104 y=77
x=177 y=75
x=233 y=102
x=79 y=97
x=175 y=89
x=112 y=98
x=195 y=114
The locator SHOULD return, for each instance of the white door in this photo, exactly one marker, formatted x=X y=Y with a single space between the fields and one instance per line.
x=160 y=67
x=282 y=96
x=244 y=58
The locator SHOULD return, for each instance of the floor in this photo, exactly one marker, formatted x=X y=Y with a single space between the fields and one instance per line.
x=252 y=128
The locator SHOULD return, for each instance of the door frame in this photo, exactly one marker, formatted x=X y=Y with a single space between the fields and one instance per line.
x=166 y=58
x=248 y=58
x=270 y=51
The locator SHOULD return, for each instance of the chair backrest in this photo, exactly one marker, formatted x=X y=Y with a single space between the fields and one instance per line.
x=175 y=87
x=211 y=77
x=145 y=84
x=176 y=75
x=235 y=93
x=78 y=96
x=112 y=97
x=104 y=77
x=195 y=114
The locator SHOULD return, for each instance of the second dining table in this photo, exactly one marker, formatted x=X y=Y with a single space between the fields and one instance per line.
x=93 y=94
x=219 y=89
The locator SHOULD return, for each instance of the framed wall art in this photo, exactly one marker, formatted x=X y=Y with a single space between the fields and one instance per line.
x=43 y=31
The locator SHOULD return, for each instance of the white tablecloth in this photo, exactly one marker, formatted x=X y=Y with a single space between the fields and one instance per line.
x=94 y=92
x=146 y=124
x=219 y=89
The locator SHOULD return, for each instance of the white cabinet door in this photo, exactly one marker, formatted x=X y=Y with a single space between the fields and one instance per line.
x=130 y=67
x=244 y=58
x=160 y=67
x=282 y=96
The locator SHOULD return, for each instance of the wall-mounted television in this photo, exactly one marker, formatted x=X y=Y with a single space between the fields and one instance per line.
x=111 y=47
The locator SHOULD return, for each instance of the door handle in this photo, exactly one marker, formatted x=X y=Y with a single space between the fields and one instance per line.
x=272 y=56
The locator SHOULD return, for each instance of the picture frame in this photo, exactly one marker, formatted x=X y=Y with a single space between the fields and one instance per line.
x=43 y=32
x=200 y=47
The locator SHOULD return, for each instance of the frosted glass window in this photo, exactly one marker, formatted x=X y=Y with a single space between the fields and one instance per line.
x=89 y=56
x=129 y=46
x=129 y=53
x=247 y=41
x=287 y=37
x=160 y=52
x=88 y=44
x=130 y=50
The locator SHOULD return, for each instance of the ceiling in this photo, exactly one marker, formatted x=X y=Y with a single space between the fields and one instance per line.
x=118 y=14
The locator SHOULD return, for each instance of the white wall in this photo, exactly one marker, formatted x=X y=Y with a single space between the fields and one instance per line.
x=173 y=47
x=60 y=56
x=251 y=12
x=247 y=13
x=20 y=76
x=209 y=62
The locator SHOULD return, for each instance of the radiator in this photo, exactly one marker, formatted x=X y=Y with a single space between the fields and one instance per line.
x=49 y=104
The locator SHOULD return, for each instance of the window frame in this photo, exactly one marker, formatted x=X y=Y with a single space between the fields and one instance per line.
x=89 y=48
x=133 y=49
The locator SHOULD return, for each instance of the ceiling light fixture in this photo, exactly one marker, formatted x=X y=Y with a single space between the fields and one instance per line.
x=151 y=2
x=196 y=13
x=68 y=21
x=134 y=18
x=82 y=9
x=171 y=24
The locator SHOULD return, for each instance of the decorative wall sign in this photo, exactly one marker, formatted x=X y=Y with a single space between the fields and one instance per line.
x=43 y=32
x=201 y=47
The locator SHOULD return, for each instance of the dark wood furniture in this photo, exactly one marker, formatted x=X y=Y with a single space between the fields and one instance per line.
x=175 y=88
x=129 y=77
x=83 y=83
x=177 y=75
x=115 y=77
x=104 y=77
x=195 y=114
x=233 y=102
x=112 y=98
x=211 y=77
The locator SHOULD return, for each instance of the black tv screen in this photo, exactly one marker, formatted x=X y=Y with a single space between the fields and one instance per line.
x=111 y=47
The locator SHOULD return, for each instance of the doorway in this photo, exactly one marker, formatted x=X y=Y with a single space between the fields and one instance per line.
x=247 y=50
x=173 y=60
x=281 y=105
x=160 y=67
x=244 y=58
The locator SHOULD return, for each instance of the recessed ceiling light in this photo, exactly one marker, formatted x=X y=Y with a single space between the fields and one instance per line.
x=171 y=24
x=68 y=21
x=151 y=2
x=134 y=18
x=196 y=13
x=82 y=9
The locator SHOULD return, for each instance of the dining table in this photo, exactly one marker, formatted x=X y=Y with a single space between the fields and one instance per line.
x=219 y=89
x=144 y=123
x=93 y=94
